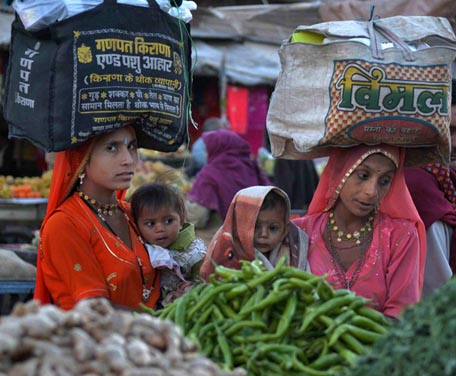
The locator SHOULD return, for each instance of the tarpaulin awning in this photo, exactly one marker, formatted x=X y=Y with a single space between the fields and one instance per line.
x=246 y=63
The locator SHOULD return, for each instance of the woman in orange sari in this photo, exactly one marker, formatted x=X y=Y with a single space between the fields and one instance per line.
x=89 y=244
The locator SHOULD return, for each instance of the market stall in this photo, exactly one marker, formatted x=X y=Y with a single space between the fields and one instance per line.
x=20 y=220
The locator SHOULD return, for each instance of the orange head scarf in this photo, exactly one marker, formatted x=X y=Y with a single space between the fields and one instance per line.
x=397 y=203
x=67 y=166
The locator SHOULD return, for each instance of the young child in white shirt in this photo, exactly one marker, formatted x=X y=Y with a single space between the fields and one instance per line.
x=159 y=212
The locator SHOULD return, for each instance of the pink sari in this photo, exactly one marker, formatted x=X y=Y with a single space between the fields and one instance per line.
x=392 y=272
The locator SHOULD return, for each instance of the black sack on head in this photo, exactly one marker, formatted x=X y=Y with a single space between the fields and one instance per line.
x=99 y=70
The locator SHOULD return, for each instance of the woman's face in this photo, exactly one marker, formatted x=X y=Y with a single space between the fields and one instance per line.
x=112 y=162
x=367 y=185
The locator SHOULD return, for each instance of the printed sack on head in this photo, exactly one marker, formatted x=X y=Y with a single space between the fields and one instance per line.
x=346 y=83
x=112 y=65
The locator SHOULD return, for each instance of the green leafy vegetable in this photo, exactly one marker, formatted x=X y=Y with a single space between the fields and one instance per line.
x=422 y=342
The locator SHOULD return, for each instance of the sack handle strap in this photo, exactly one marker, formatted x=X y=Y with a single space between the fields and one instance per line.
x=152 y=3
x=374 y=29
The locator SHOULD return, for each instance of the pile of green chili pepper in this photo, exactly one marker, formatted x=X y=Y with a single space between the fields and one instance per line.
x=276 y=322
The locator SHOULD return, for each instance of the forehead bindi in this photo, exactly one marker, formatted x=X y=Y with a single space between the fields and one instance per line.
x=379 y=164
x=121 y=136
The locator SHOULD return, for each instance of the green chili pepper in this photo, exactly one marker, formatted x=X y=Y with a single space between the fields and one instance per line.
x=287 y=315
x=226 y=310
x=247 y=269
x=217 y=314
x=213 y=280
x=250 y=324
x=205 y=329
x=366 y=323
x=181 y=307
x=353 y=343
x=366 y=336
x=328 y=306
x=326 y=361
x=248 y=299
x=208 y=295
x=228 y=274
x=261 y=279
x=324 y=290
x=259 y=295
x=373 y=315
x=292 y=272
x=318 y=347
x=357 y=303
x=150 y=311
x=349 y=356
x=302 y=284
x=272 y=298
x=225 y=348
x=307 y=298
x=326 y=321
x=341 y=329
x=308 y=371
x=277 y=284
x=344 y=317
x=283 y=324
x=257 y=267
x=201 y=320
x=340 y=292
x=208 y=348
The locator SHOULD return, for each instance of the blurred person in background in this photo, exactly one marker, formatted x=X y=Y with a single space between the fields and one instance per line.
x=298 y=178
x=433 y=191
x=230 y=168
x=198 y=150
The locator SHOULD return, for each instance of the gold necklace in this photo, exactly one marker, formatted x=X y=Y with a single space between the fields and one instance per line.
x=103 y=209
x=355 y=235
x=337 y=262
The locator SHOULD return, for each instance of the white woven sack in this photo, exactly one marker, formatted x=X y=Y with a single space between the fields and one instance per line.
x=378 y=81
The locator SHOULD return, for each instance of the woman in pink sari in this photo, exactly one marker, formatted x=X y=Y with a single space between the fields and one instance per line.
x=364 y=230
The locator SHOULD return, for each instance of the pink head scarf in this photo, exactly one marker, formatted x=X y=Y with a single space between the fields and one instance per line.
x=397 y=203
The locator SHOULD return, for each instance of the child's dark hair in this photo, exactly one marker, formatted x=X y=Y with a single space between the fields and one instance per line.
x=154 y=196
x=274 y=200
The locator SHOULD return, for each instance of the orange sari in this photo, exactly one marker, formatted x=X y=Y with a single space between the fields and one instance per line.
x=78 y=258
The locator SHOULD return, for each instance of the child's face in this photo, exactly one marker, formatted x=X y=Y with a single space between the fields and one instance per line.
x=270 y=229
x=160 y=227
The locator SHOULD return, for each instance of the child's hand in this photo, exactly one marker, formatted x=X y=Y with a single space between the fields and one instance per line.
x=181 y=289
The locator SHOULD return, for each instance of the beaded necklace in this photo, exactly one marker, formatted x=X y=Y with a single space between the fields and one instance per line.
x=104 y=209
x=355 y=235
x=337 y=262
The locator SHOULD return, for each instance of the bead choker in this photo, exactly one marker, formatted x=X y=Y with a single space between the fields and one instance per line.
x=104 y=209
x=356 y=235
